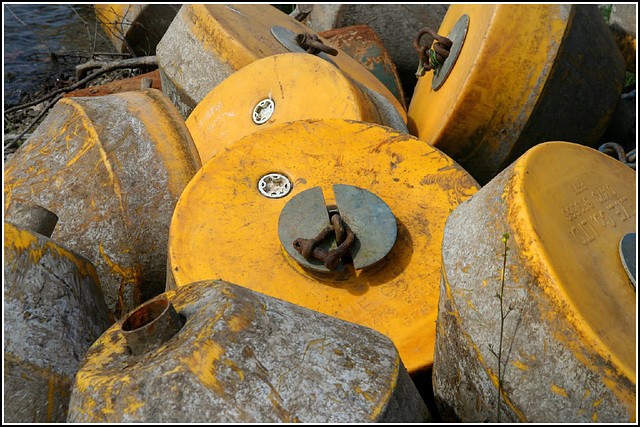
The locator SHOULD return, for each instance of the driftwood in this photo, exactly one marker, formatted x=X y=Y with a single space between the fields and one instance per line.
x=143 y=61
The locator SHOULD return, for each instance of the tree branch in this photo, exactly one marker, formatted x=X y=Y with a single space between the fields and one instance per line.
x=106 y=67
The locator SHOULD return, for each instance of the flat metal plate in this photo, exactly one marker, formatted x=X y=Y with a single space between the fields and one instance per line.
x=370 y=219
x=305 y=216
x=287 y=38
x=457 y=36
x=628 y=256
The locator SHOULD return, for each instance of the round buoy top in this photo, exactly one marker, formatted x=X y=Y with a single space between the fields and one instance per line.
x=574 y=205
x=276 y=89
x=224 y=227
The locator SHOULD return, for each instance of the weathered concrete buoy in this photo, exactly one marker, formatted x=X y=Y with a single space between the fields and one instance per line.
x=234 y=355
x=569 y=339
x=558 y=78
x=205 y=44
x=53 y=312
x=136 y=28
x=112 y=168
x=362 y=43
x=278 y=89
x=242 y=212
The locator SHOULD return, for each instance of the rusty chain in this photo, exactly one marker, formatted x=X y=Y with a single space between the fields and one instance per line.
x=312 y=44
x=615 y=150
x=431 y=58
x=309 y=248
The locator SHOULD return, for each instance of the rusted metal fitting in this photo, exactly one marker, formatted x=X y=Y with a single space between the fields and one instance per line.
x=312 y=44
x=431 y=58
x=335 y=255
x=31 y=216
x=301 y=12
x=151 y=325
x=615 y=150
x=309 y=249
x=338 y=228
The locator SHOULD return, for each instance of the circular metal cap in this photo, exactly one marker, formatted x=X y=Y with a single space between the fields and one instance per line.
x=457 y=35
x=366 y=214
x=274 y=185
x=263 y=111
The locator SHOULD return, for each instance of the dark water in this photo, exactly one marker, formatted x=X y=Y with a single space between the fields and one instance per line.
x=28 y=64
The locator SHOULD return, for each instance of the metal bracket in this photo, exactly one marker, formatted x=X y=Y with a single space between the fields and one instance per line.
x=287 y=38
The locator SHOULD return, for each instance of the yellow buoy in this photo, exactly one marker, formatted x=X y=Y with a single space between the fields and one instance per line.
x=277 y=89
x=205 y=44
x=225 y=226
x=538 y=251
x=522 y=75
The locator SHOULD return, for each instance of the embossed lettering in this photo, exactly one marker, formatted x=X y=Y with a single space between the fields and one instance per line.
x=604 y=193
x=389 y=291
x=603 y=219
x=578 y=208
x=584 y=232
x=577 y=187
x=619 y=208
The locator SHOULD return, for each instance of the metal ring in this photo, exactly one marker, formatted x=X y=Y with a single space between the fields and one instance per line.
x=263 y=111
x=274 y=185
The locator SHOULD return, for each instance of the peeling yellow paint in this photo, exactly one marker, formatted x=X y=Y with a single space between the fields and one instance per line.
x=558 y=390
x=369 y=397
x=132 y=404
x=238 y=323
x=518 y=364
x=235 y=368
x=201 y=361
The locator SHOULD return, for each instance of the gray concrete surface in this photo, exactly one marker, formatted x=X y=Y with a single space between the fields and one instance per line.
x=53 y=312
x=242 y=356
